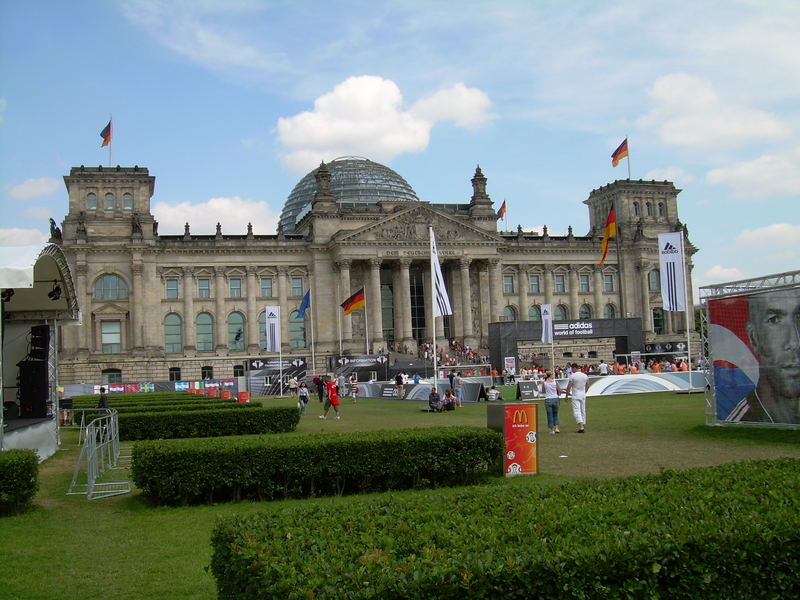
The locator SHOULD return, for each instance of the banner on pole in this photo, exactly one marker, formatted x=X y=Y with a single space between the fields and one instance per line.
x=273 y=332
x=441 y=301
x=547 y=323
x=673 y=282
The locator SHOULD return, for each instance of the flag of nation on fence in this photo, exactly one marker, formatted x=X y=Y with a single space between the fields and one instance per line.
x=610 y=231
x=547 y=323
x=354 y=302
x=106 y=134
x=441 y=301
x=620 y=153
x=673 y=280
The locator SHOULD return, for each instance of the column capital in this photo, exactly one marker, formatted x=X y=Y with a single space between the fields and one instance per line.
x=404 y=263
x=251 y=269
x=219 y=271
x=375 y=262
x=344 y=263
x=137 y=268
x=464 y=262
x=494 y=262
x=282 y=270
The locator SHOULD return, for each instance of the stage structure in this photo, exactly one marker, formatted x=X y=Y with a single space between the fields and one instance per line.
x=751 y=342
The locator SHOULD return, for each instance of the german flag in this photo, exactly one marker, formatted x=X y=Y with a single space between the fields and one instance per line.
x=620 y=153
x=354 y=302
x=611 y=231
x=502 y=212
x=106 y=135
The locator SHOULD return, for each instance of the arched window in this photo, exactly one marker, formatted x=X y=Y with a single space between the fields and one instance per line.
x=661 y=210
x=649 y=209
x=111 y=202
x=127 y=201
x=173 y=333
x=609 y=312
x=654 y=280
x=509 y=314
x=585 y=312
x=204 y=324
x=535 y=313
x=236 y=331
x=91 y=201
x=658 y=320
x=262 y=329
x=636 y=209
x=110 y=287
x=297 y=330
x=561 y=313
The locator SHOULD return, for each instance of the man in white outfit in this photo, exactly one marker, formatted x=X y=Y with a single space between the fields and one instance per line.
x=577 y=388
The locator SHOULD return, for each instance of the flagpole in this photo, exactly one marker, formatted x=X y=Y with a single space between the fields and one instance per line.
x=628 y=156
x=620 y=266
x=111 y=141
x=339 y=317
x=366 y=323
x=686 y=312
x=313 y=346
x=433 y=312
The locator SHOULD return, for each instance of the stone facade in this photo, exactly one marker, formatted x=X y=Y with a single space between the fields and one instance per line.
x=195 y=303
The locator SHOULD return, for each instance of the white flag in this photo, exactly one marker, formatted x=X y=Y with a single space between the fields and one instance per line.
x=547 y=323
x=673 y=280
x=441 y=301
x=273 y=332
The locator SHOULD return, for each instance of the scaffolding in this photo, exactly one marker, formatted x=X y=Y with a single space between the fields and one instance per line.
x=100 y=453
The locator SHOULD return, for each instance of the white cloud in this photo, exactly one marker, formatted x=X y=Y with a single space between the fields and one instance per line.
x=34 y=188
x=3 y=104
x=782 y=235
x=768 y=175
x=16 y=236
x=719 y=274
x=674 y=174
x=687 y=111
x=232 y=213
x=41 y=213
x=364 y=116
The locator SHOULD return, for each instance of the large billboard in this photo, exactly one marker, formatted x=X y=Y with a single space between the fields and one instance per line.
x=755 y=349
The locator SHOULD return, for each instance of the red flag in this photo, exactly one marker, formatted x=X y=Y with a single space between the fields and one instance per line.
x=611 y=231
x=502 y=212
x=106 y=134
x=620 y=153
x=354 y=302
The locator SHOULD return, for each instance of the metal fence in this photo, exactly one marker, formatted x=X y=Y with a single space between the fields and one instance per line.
x=100 y=453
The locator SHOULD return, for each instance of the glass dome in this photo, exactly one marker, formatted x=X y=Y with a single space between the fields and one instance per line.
x=353 y=179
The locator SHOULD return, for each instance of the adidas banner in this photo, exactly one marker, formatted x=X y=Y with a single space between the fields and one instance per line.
x=547 y=323
x=673 y=278
x=273 y=329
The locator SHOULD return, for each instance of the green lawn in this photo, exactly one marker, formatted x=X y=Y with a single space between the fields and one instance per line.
x=68 y=547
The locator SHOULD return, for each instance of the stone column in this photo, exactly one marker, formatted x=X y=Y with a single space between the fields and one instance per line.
x=220 y=321
x=282 y=284
x=548 y=286
x=344 y=280
x=374 y=304
x=404 y=295
x=466 y=301
x=647 y=317
x=252 y=310
x=485 y=299
x=574 y=308
x=85 y=304
x=522 y=281
x=597 y=287
x=137 y=308
x=189 y=332
x=495 y=288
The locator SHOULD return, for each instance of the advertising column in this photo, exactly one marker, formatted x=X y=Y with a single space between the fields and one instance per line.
x=519 y=426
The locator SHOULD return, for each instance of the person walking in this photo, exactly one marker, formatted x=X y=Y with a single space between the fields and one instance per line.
x=578 y=381
x=333 y=399
x=102 y=402
x=398 y=381
x=320 y=383
x=551 y=401
x=302 y=393
x=293 y=386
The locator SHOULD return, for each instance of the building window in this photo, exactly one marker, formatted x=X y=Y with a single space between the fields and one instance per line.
x=204 y=288
x=649 y=209
x=266 y=287
x=110 y=287
x=535 y=313
x=235 y=286
x=174 y=373
x=609 y=312
x=127 y=201
x=205 y=332
x=636 y=209
x=583 y=279
x=173 y=333
x=661 y=211
x=585 y=312
x=297 y=330
x=654 y=280
x=561 y=313
x=236 y=331
x=509 y=314
x=608 y=283
x=561 y=282
x=262 y=329
x=111 y=337
x=111 y=376
x=172 y=289
x=297 y=287
x=110 y=201
x=658 y=320
x=238 y=370
x=91 y=201
x=207 y=372
x=534 y=284
x=508 y=284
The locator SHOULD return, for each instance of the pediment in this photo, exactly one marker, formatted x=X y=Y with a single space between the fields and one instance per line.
x=110 y=309
x=411 y=225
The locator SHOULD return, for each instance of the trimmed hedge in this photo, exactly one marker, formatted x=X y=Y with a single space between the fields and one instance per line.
x=715 y=533
x=193 y=471
x=19 y=479
x=90 y=400
x=206 y=423
x=154 y=408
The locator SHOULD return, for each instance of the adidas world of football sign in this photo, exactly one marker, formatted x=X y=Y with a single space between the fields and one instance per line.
x=673 y=278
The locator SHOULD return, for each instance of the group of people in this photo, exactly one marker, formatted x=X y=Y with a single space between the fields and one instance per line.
x=456 y=354
x=329 y=391
x=447 y=401
x=575 y=390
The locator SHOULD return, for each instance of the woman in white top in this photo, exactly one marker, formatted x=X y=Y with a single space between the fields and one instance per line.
x=551 y=401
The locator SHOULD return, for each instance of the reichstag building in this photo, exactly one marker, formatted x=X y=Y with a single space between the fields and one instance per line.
x=189 y=305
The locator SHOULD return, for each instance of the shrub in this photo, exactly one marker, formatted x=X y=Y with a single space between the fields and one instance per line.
x=19 y=479
x=206 y=423
x=716 y=533
x=152 y=408
x=191 y=471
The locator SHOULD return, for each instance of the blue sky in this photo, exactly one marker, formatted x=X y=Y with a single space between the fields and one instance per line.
x=230 y=102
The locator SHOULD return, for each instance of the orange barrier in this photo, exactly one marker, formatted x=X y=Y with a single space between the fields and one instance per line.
x=244 y=396
x=212 y=393
x=225 y=394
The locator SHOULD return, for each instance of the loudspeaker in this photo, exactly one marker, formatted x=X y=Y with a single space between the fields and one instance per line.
x=33 y=389
x=40 y=342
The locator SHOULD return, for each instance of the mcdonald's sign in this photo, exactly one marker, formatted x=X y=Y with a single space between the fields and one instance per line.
x=520 y=416
x=520 y=429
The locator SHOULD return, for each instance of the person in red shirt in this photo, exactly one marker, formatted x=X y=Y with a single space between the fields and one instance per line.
x=332 y=399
